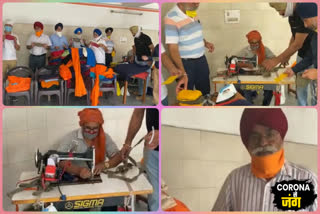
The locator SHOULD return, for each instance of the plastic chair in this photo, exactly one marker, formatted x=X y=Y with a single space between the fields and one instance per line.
x=69 y=91
x=39 y=91
x=19 y=71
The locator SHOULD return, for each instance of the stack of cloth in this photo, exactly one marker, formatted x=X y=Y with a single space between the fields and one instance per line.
x=49 y=81
x=190 y=98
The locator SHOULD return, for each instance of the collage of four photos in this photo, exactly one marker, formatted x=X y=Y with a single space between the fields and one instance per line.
x=159 y=106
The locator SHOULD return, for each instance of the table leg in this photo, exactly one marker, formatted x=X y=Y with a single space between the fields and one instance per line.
x=133 y=202
x=17 y=207
x=144 y=90
x=215 y=87
x=125 y=92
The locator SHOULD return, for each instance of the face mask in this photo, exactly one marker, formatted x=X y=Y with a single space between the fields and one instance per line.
x=78 y=36
x=7 y=28
x=89 y=136
x=138 y=33
x=108 y=37
x=254 y=47
x=289 y=9
x=191 y=13
x=59 y=33
x=39 y=33
x=267 y=166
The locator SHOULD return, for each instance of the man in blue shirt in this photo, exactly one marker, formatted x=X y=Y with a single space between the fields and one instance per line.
x=59 y=42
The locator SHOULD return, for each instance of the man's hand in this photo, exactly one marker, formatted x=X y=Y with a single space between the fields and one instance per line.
x=33 y=44
x=125 y=151
x=45 y=46
x=155 y=141
x=311 y=74
x=85 y=173
x=269 y=64
x=175 y=72
x=56 y=47
x=210 y=46
x=98 y=168
x=144 y=58
x=182 y=84
x=289 y=71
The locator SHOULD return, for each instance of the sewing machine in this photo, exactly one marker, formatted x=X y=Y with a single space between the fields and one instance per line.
x=233 y=68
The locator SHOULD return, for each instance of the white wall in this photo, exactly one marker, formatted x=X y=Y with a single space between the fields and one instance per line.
x=77 y=15
x=302 y=122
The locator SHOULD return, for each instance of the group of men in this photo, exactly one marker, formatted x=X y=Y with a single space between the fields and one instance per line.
x=186 y=45
x=107 y=154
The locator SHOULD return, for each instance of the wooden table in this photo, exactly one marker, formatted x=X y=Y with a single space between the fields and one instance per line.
x=87 y=195
x=254 y=82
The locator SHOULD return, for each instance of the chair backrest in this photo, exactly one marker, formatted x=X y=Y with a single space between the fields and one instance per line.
x=47 y=70
x=20 y=71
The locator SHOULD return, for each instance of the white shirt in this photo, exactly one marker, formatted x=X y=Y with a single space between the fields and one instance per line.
x=43 y=39
x=164 y=90
x=9 y=51
x=99 y=52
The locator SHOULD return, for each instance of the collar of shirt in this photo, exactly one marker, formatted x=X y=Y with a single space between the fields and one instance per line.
x=182 y=14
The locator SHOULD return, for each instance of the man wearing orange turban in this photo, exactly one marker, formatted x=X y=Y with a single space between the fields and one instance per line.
x=256 y=48
x=90 y=134
x=248 y=188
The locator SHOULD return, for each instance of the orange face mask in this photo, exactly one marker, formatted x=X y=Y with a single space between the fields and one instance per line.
x=267 y=166
x=39 y=33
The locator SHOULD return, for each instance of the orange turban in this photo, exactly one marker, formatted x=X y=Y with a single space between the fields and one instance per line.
x=255 y=35
x=94 y=115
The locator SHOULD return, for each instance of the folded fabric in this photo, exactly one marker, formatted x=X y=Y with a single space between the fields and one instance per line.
x=49 y=84
x=189 y=95
x=18 y=84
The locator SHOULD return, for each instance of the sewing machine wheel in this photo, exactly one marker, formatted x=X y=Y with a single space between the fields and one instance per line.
x=37 y=160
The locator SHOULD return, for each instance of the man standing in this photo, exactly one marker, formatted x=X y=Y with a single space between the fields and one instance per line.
x=11 y=44
x=151 y=149
x=58 y=40
x=186 y=45
x=38 y=44
x=110 y=46
x=143 y=46
x=98 y=46
x=248 y=188
x=300 y=41
x=308 y=13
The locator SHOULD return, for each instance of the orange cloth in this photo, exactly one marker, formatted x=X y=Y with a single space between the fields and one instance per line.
x=18 y=84
x=80 y=88
x=180 y=207
x=94 y=115
x=39 y=33
x=99 y=70
x=65 y=73
x=255 y=35
x=49 y=84
x=267 y=166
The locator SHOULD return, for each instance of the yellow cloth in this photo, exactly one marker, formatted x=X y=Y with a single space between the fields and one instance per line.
x=188 y=95
x=113 y=53
x=169 y=80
